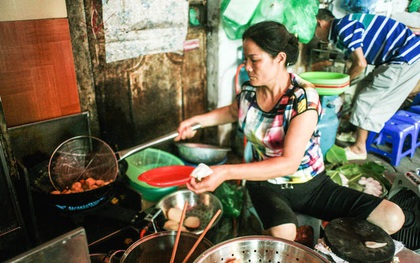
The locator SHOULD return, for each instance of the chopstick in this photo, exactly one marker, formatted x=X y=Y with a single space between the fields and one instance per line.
x=178 y=233
x=202 y=235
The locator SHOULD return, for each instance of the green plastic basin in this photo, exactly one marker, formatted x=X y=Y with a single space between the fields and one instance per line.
x=327 y=83
x=145 y=160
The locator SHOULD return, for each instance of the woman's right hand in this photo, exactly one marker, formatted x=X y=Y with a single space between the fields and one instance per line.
x=185 y=130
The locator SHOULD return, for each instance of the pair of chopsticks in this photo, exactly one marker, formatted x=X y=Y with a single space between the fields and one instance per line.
x=199 y=238
x=178 y=233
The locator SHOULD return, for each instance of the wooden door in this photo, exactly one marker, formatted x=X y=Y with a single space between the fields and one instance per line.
x=142 y=98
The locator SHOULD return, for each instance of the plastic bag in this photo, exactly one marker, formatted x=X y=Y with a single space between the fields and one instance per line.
x=236 y=16
x=231 y=196
x=298 y=16
x=414 y=6
x=359 y=6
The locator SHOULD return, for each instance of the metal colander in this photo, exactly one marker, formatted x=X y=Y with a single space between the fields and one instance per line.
x=204 y=206
x=259 y=249
x=79 y=158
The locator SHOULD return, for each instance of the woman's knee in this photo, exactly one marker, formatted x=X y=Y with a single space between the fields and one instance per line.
x=387 y=215
x=285 y=231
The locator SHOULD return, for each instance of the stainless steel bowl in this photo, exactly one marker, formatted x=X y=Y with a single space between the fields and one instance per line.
x=202 y=153
x=260 y=249
x=204 y=206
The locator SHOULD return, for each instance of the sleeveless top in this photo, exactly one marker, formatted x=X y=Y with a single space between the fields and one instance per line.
x=266 y=130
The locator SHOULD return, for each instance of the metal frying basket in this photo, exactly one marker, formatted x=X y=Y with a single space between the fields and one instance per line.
x=79 y=158
x=259 y=249
x=84 y=157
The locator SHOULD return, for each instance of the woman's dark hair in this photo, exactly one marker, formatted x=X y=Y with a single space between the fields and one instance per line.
x=273 y=38
x=324 y=14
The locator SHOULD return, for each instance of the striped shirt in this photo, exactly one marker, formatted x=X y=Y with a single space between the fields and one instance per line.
x=266 y=130
x=382 y=39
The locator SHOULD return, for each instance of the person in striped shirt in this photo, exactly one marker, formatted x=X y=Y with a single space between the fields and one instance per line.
x=394 y=50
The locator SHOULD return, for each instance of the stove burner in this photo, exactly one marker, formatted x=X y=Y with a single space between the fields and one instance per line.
x=81 y=207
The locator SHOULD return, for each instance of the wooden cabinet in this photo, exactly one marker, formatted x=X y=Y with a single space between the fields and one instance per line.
x=37 y=76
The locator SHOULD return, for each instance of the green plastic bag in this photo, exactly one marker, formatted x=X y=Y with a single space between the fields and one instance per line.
x=231 y=197
x=414 y=6
x=298 y=16
x=236 y=16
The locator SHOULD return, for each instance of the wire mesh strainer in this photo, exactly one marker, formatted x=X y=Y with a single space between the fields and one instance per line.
x=204 y=206
x=85 y=157
x=82 y=157
x=259 y=249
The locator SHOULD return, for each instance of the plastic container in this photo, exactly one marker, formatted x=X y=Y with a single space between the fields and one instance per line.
x=145 y=160
x=327 y=83
x=328 y=123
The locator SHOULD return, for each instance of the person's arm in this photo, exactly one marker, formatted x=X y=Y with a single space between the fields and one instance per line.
x=358 y=63
x=223 y=115
x=300 y=131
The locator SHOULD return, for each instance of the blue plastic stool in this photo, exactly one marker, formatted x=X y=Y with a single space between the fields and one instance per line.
x=416 y=100
x=400 y=135
x=415 y=109
x=413 y=119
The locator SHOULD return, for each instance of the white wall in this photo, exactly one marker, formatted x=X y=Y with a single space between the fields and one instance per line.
x=227 y=65
x=13 y=10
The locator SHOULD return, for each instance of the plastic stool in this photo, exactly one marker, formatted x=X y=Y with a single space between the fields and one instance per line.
x=397 y=133
x=413 y=119
x=415 y=109
x=416 y=100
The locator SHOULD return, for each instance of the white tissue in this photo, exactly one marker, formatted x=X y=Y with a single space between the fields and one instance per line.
x=201 y=171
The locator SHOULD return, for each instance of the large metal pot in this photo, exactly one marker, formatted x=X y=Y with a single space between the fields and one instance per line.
x=260 y=249
x=158 y=248
x=202 y=153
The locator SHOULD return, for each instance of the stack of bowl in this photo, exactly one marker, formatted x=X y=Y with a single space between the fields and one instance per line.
x=329 y=86
x=145 y=160
x=327 y=83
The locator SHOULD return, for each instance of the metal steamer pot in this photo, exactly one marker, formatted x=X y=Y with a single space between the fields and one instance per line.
x=257 y=248
x=158 y=248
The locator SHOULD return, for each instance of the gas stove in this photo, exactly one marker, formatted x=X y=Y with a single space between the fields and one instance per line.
x=109 y=227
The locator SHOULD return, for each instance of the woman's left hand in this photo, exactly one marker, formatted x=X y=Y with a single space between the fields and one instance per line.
x=208 y=183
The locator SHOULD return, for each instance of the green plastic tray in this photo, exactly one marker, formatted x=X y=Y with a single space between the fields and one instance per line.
x=145 y=160
x=325 y=78
x=338 y=82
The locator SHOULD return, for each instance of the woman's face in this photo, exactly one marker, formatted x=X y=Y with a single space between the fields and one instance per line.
x=262 y=69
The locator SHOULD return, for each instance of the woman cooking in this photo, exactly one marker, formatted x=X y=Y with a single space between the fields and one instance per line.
x=278 y=113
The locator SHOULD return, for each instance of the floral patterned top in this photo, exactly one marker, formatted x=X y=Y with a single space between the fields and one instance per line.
x=266 y=130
